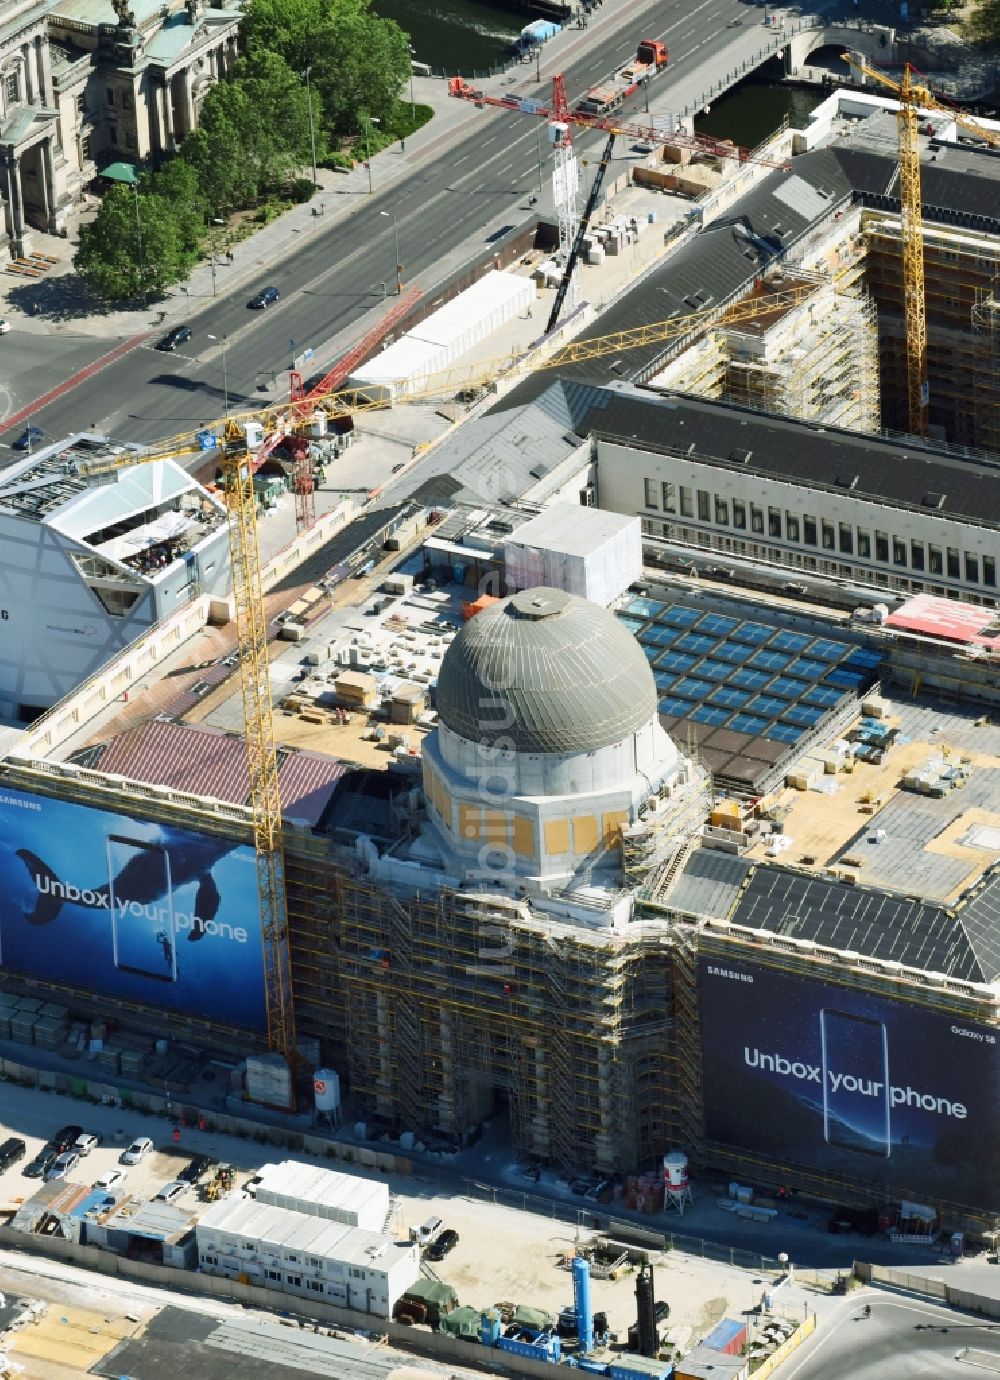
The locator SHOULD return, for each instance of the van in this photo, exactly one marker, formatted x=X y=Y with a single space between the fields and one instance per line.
x=427 y=1232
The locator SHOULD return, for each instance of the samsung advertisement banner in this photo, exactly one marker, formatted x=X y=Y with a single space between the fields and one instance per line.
x=150 y=912
x=857 y=1085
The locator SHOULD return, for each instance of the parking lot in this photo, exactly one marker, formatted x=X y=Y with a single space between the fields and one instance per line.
x=502 y=1253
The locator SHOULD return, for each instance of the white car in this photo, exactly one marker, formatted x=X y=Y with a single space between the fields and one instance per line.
x=137 y=1151
x=169 y=1193
x=4 y=327
x=85 y=1143
x=63 y=1164
x=113 y=1179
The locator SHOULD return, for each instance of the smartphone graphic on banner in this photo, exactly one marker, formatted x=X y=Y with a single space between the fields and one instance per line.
x=142 y=908
x=855 y=1083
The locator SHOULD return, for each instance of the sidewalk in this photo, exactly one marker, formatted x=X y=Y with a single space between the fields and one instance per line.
x=57 y=299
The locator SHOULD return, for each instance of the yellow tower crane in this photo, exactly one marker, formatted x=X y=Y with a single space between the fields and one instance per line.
x=915 y=96
x=238 y=467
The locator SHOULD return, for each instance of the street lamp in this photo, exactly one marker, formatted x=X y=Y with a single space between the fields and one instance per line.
x=395 y=239
x=216 y=220
x=138 y=231
x=369 y=121
x=538 y=151
x=225 y=373
x=312 y=127
x=413 y=104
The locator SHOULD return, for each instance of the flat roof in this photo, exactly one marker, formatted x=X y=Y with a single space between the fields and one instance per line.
x=317 y=1236
x=325 y=1187
x=948 y=619
x=571 y=529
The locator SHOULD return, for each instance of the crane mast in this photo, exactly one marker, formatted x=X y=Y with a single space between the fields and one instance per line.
x=914 y=297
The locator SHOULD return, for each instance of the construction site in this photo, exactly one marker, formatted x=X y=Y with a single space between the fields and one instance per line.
x=603 y=856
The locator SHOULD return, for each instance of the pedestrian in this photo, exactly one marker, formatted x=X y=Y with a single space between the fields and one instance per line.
x=402 y=145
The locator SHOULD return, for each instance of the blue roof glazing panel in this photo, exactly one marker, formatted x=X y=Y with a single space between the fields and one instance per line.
x=787 y=687
x=677 y=709
x=862 y=660
x=659 y=637
x=679 y=617
x=829 y=651
x=782 y=733
x=747 y=723
x=805 y=715
x=769 y=708
x=718 y=624
x=729 y=696
x=651 y=651
x=749 y=679
x=806 y=669
x=753 y=633
x=708 y=714
x=646 y=608
x=786 y=641
x=847 y=680
x=823 y=695
x=692 y=689
x=696 y=642
x=675 y=661
x=663 y=680
x=633 y=624
x=733 y=652
x=714 y=670
x=768 y=660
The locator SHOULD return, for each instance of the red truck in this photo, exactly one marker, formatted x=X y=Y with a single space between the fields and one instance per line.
x=651 y=55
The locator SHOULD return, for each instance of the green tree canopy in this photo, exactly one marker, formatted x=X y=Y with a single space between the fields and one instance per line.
x=135 y=246
x=253 y=134
x=359 y=61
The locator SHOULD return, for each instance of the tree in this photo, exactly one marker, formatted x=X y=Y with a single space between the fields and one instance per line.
x=359 y=61
x=254 y=133
x=134 y=247
x=177 y=184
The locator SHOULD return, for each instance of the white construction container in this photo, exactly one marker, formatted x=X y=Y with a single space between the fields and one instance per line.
x=584 y=551
x=345 y=1198
x=447 y=333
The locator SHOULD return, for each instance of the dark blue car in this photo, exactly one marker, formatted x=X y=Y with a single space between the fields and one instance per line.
x=30 y=436
x=264 y=298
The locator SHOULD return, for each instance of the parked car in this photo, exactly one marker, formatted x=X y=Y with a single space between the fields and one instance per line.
x=4 y=327
x=264 y=298
x=11 y=1151
x=137 y=1151
x=444 y=1244
x=169 y=1193
x=65 y=1138
x=200 y=1165
x=30 y=436
x=62 y=1165
x=173 y=338
x=87 y=1142
x=41 y=1164
x=114 y=1178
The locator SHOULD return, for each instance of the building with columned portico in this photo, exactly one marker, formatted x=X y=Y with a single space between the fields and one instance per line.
x=88 y=82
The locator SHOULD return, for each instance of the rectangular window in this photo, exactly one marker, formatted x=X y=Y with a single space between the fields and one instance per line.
x=898 y=551
x=791 y=527
x=990 y=571
x=651 y=494
x=774 y=522
x=935 y=560
x=917 y=555
x=316 y=1285
x=864 y=544
x=954 y=565
x=739 y=514
x=295 y=1281
x=829 y=536
x=704 y=506
x=126 y=100
x=721 y=511
x=110 y=95
x=273 y=1274
x=809 y=531
x=669 y=498
x=846 y=539
x=81 y=103
x=687 y=507
x=113 y=134
x=12 y=88
x=130 y=139
x=972 y=569
x=881 y=546
x=756 y=518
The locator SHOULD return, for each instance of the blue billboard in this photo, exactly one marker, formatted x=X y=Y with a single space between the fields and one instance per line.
x=150 y=912
x=823 y=1076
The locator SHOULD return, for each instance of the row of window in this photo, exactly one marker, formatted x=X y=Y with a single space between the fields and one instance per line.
x=317 y=1286
x=840 y=537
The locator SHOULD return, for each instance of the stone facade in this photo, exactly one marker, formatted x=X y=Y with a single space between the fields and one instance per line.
x=85 y=83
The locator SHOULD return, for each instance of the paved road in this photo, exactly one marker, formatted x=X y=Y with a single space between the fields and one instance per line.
x=903 y=1339
x=337 y=277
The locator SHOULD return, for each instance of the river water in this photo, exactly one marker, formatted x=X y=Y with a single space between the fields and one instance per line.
x=472 y=35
